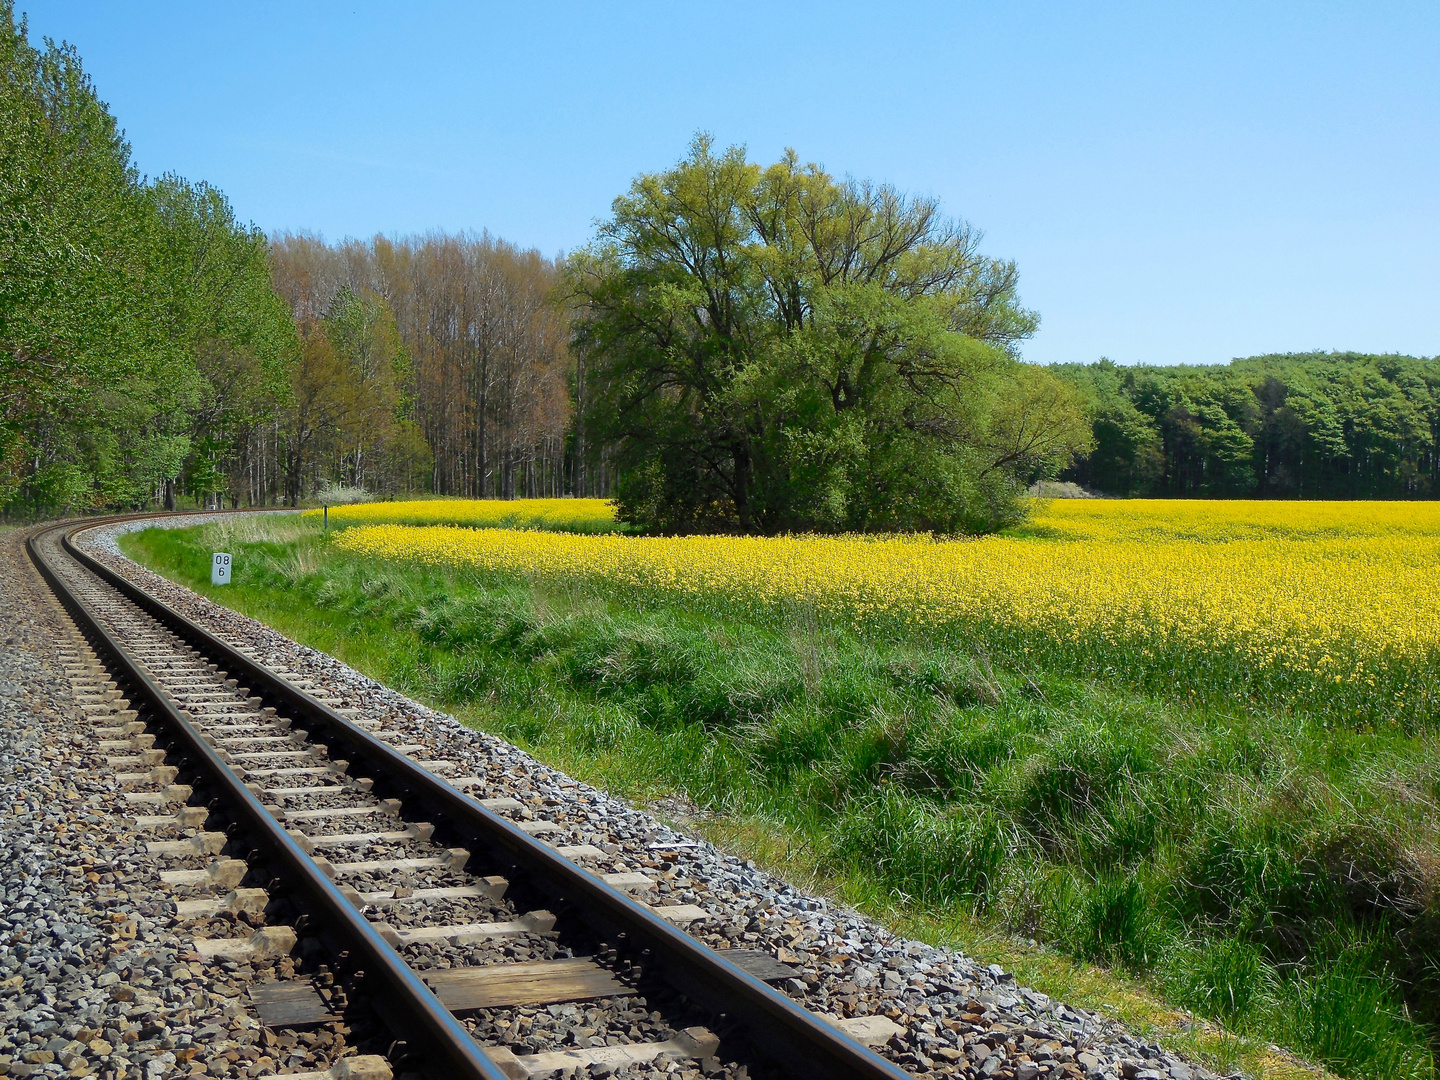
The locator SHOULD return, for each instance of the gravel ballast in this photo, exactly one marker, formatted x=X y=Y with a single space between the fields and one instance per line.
x=97 y=975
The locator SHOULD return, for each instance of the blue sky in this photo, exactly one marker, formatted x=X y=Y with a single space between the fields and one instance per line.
x=1179 y=183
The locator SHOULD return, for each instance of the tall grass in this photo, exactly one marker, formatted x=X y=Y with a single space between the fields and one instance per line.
x=1267 y=869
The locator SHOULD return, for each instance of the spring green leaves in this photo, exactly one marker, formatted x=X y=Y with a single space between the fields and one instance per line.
x=774 y=349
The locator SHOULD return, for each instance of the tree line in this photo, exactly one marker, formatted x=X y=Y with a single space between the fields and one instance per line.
x=155 y=350
x=436 y=363
x=741 y=347
x=1299 y=425
x=138 y=328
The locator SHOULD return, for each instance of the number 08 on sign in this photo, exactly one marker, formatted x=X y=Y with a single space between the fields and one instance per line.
x=220 y=568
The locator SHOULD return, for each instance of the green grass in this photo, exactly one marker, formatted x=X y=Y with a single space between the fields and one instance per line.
x=1271 y=873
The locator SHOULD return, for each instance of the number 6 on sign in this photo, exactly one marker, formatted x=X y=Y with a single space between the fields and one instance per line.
x=220 y=568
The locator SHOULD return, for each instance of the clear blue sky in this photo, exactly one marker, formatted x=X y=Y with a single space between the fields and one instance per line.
x=1178 y=182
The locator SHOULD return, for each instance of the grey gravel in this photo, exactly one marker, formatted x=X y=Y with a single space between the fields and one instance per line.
x=97 y=975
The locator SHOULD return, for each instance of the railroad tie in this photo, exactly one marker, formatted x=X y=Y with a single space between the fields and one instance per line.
x=266 y=943
x=491 y=888
x=187 y=817
x=124 y=739
x=680 y=914
x=419 y=830
x=357 y=1067
x=134 y=727
x=297 y=770
x=204 y=843
x=502 y=804
x=631 y=883
x=576 y=852
x=175 y=793
x=265 y=755
x=234 y=745
x=544 y=982
x=359 y=784
x=695 y=1042
x=142 y=760
x=870 y=1030
x=236 y=901
x=388 y=807
x=221 y=874
x=160 y=776
x=532 y=922
x=454 y=859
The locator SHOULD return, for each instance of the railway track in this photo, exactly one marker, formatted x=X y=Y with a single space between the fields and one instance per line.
x=423 y=912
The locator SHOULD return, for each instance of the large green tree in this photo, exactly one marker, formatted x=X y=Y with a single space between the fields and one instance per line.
x=237 y=335
x=773 y=349
x=77 y=325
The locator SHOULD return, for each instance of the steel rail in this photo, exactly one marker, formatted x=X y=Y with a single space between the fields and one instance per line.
x=431 y=1030
x=776 y=1027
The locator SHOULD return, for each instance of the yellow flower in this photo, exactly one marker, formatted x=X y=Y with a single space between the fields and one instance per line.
x=575 y=515
x=1302 y=588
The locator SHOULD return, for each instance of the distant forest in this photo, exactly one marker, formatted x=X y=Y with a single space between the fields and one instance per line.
x=1298 y=425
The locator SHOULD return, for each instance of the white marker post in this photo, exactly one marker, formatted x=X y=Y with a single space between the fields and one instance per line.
x=220 y=568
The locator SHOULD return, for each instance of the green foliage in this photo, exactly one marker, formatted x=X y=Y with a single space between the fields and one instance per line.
x=1347 y=1017
x=138 y=330
x=773 y=349
x=77 y=325
x=1228 y=978
x=1306 y=425
x=350 y=401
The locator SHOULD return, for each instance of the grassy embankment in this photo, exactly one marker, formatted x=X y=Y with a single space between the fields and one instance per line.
x=1265 y=865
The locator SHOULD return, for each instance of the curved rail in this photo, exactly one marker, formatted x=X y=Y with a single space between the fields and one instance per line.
x=791 y=1036
x=444 y=1042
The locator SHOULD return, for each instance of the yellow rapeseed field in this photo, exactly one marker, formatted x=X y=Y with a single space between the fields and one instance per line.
x=569 y=515
x=1278 y=598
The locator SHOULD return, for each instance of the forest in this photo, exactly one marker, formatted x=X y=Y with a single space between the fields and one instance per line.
x=155 y=350
x=1337 y=425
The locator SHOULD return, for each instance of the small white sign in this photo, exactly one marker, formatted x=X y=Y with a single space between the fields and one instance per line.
x=220 y=568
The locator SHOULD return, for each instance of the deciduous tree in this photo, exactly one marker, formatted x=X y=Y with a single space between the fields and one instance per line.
x=775 y=349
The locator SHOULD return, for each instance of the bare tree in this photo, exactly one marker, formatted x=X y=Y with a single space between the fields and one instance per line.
x=489 y=371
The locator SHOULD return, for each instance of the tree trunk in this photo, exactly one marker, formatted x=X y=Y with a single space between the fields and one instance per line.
x=742 y=487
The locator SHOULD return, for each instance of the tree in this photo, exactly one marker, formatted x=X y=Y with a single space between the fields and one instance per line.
x=80 y=328
x=482 y=390
x=374 y=441
x=1126 y=457
x=774 y=349
x=236 y=331
x=139 y=336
